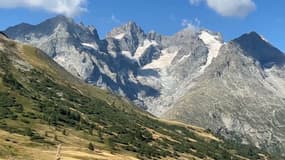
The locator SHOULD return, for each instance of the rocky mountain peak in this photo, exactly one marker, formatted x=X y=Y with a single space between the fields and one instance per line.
x=131 y=30
x=47 y=27
x=260 y=49
x=126 y=37
x=132 y=27
x=59 y=19
x=187 y=32
x=132 y=24
x=72 y=27
x=19 y=29
x=152 y=35
x=58 y=24
x=184 y=36
x=251 y=36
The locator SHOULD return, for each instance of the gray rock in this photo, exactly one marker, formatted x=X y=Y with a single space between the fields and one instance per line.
x=238 y=97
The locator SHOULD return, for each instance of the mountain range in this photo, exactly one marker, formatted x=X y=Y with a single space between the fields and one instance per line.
x=46 y=113
x=235 y=89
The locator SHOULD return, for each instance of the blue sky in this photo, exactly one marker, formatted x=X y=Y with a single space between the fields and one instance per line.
x=230 y=17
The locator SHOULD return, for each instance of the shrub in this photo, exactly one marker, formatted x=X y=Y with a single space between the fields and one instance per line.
x=91 y=146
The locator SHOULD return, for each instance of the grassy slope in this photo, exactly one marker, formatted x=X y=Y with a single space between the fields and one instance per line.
x=41 y=106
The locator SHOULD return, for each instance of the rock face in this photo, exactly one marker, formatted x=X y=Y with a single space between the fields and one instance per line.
x=240 y=94
x=236 y=89
x=144 y=67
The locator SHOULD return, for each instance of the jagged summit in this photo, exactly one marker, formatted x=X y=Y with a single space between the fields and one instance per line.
x=132 y=24
x=153 y=35
x=50 y=26
x=45 y=27
x=126 y=38
x=58 y=19
x=18 y=30
x=261 y=50
x=130 y=29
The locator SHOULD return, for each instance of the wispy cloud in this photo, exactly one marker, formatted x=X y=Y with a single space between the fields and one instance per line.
x=195 y=2
x=194 y=25
x=67 y=7
x=115 y=19
x=229 y=8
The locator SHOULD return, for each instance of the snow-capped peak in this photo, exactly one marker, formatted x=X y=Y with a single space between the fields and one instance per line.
x=213 y=43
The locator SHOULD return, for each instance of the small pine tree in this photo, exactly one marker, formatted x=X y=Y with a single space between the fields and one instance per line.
x=28 y=132
x=91 y=146
x=64 y=132
x=20 y=108
x=46 y=133
x=100 y=135
x=90 y=130
x=55 y=137
x=111 y=144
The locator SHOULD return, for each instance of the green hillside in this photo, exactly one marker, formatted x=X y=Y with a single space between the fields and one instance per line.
x=42 y=106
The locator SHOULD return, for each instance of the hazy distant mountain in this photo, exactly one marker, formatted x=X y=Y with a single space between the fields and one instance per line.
x=236 y=89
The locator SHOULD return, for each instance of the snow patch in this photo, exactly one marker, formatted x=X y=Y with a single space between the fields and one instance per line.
x=184 y=57
x=120 y=36
x=89 y=45
x=263 y=38
x=213 y=44
x=113 y=54
x=127 y=54
x=141 y=49
x=60 y=59
x=132 y=77
x=164 y=60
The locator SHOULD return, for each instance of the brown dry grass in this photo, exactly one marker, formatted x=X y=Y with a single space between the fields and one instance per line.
x=27 y=150
x=199 y=131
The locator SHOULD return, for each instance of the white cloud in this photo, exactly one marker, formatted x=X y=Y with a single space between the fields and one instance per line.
x=229 y=8
x=66 y=7
x=190 y=24
x=115 y=19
